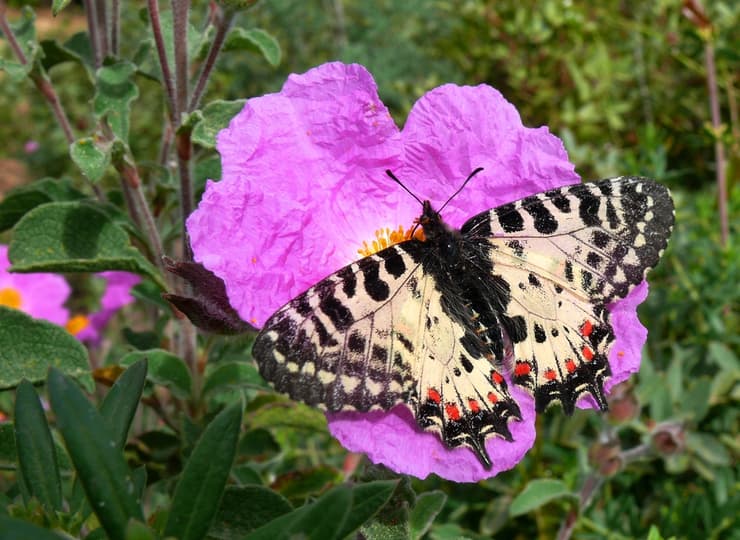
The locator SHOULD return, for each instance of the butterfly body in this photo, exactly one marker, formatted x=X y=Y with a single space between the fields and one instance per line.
x=520 y=290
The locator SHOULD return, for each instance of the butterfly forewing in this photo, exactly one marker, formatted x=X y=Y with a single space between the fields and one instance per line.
x=377 y=333
x=565 y=255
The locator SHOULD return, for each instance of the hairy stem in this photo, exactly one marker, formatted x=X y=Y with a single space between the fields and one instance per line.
x=115 y=27
x=164 y=65
x=223 y=24
x=180 y=10
x=39 y=78
x=94 y=31
x=719 y=147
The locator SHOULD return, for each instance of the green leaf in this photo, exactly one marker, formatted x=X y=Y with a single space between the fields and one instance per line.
x=15 y=529
x=58 y=5
x=537 y=493
x=54 y=53
x=233 y=375
x=91 y=157
x=8 y=453
x=21 y=200
x=289 y=414
x=165 y=369
x=36 y=455
x=256 y=40
x=300 y=484
x=24 y=30
x=721 y=355
x=426 y=508
x=320 y=520
x=198 y=493
x=245 y=508
x=115 y=91
x=119 y=406
x=216 y=116
x=136 y=530
x=29 y=346
x=74 y=237
x=367 y=500
x=99 y=463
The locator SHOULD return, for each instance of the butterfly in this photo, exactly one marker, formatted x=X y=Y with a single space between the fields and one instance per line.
x=435 y=322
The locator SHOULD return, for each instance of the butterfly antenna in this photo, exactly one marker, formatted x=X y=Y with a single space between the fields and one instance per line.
x=397 y=181
x=471 y=175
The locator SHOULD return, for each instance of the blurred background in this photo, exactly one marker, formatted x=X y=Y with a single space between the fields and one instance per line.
x=630 y=88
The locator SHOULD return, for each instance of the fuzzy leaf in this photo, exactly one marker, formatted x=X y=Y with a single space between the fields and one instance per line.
x=256 y=40
x=92 y=158
x=216 y=116
x=245 y=508
x=28 y=347
x=114 y=93
x=74 y=237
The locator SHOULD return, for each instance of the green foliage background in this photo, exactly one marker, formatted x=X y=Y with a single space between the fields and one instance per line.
x=623 y=84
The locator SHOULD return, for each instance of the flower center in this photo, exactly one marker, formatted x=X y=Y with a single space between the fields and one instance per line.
x=10 y=297
x=77 y=324
x=387 y=237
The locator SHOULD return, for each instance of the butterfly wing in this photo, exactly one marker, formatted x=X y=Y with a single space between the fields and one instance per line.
x=558 y=259
x=378 y=333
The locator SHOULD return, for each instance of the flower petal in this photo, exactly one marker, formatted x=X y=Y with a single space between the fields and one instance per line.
x=394 y=439
x=43 y=295
x=629 y=338
x=303 y=185
x=454 y=129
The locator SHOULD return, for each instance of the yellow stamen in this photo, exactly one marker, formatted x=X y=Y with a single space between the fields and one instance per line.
x=10 y=297
x=77 y=324
x=387 y=237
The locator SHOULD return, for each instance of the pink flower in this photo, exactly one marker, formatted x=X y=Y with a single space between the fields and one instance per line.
x=40 y=295
x=304 y=185
x=117 y=295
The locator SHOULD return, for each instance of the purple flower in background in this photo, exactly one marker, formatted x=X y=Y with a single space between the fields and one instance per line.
x=304 y=193
x=117 y=294
x=41 y=295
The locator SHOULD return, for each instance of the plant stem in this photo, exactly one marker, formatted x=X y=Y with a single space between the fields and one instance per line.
x=115 y=26
x=719 y=148
x=180 y=10
x=92 y=27
x=39 y=78
x=102 y=13
x=223 y=24
x=162 y=54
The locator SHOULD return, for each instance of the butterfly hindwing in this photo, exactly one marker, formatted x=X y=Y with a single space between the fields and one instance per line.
x=565 y=255
x=378 y=333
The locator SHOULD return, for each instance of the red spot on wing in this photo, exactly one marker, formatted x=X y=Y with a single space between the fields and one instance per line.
x=434 y=396
x=496 y=377
x=570 y=365
x=474 y=407
x=452 y=411
x=587 y=328
x=588 y=354
x=492 y=397
x=550 y=375
x=522 y=368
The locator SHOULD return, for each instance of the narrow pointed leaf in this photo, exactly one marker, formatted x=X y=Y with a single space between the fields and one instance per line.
x=323 y=519
x=367 y=499
x=537 y=493
x=36 y=455
x=198 y=493
x=15 y=529
x=102 y=470
x=164 y=368
x=426 y=508
x=28 y=347
x=119 y=406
